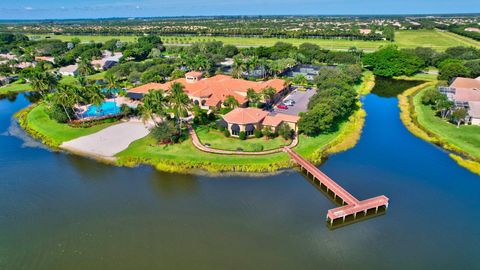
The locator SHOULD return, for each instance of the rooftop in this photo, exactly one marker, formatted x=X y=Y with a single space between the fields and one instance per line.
x=460 y=82
x=218 y=87
x=143 y=89
x=245 y=116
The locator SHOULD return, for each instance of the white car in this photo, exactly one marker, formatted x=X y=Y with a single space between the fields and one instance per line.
x=289 y=102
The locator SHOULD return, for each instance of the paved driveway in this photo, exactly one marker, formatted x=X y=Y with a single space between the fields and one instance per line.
x=301 y=99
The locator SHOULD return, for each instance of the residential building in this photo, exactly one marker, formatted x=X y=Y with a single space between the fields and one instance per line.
x=107 y=61
x=465 y=93
x=71 y=70
x=212 y=92
x=250 y=119
x=309 y=71
x=45 y=58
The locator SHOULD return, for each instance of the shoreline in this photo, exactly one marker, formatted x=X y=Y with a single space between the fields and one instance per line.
x=347 y=138
x=409 y=119
x=144 y=153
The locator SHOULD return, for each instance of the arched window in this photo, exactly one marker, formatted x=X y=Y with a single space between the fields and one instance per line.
x=235 y=129
x=249 y=129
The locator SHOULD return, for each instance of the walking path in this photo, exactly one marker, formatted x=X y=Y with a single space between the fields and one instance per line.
x=196 y=142
x=110 y=141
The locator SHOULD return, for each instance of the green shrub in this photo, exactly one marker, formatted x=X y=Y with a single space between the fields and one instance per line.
x=221 y=128
x=258 y=133
x=164 y=132
x=226 y=133
x=57 y=113
x=242 y=135
x=256 y=147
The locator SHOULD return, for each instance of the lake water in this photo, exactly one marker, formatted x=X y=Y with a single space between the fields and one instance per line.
x=58 y=211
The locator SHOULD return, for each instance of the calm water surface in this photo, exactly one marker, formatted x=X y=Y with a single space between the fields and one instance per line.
x=58 y=211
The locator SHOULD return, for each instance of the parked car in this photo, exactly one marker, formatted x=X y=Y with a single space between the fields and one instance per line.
x=289 y=102
x=282 y=106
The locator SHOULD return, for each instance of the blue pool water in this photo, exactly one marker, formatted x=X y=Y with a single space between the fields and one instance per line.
x=106 y=108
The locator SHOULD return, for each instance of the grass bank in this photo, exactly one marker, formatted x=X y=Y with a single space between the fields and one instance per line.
x=367 y=85
x=185 y=158
x=35 y=120
x=463 y=142
x=15 y=87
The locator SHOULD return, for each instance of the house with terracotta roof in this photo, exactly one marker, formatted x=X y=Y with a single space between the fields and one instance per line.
x=212 y=92
x=250 y=119
x=465 y=92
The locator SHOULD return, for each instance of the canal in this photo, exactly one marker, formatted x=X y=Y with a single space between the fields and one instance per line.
x=58 y=211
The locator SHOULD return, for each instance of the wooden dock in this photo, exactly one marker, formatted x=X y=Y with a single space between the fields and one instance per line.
x=351 y=208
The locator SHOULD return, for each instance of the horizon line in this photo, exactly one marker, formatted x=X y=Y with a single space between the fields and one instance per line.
x=240 y=15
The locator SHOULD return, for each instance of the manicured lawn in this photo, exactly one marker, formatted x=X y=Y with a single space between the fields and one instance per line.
x=185 y=155
x=404 y=39
x=466 y=138
x=15 y=87
x=39 y=121
x=217 y=140
x=432 y=38
x=237 y=41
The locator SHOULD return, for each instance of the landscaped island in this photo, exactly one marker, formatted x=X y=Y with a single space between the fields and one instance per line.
x=238 y=125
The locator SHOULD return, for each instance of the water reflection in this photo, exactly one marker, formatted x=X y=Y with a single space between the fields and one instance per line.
x=167 y=184
x=386 y=87
x=12 y=97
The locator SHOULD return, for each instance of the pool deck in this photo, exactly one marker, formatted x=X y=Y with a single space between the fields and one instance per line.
x=106 y=143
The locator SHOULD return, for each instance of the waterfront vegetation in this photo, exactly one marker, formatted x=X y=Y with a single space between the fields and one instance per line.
x=422 y=121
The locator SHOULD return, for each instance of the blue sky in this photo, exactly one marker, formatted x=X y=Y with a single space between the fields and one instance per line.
x=62 y=9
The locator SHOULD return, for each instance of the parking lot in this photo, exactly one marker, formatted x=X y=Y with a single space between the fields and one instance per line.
x=300 y=99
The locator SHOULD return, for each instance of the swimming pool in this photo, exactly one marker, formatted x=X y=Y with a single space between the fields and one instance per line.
x=106 y=108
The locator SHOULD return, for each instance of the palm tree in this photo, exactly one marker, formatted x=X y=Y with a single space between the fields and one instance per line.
x=85 y=68
x=154 y=104
x=231 y=102
x=112 y=84
x=252 y=96
x=179 y=102
x=64 y=96
x=43 y=82
x=268 y=94
x=238 y=67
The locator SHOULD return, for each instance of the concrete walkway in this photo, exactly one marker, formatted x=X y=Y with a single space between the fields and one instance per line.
x=196 y=142
x=108 y=142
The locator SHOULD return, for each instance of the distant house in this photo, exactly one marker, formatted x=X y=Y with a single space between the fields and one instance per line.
x=309 y=71
x=71 y=70
x=107 y=61
x=365 y=31
x=465 y=93
x=23 y=65
x=472 y=29
x=45 y=58
x=250 y=119
x=4 y=80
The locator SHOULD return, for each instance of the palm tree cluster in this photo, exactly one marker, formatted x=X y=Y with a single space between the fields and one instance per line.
x=158 y=104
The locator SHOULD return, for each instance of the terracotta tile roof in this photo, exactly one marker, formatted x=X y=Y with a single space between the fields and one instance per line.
x=194 y=74
x=460 y=82
x=220 y=86
x=245 y=116
x=143 y=89
x=276 y=119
